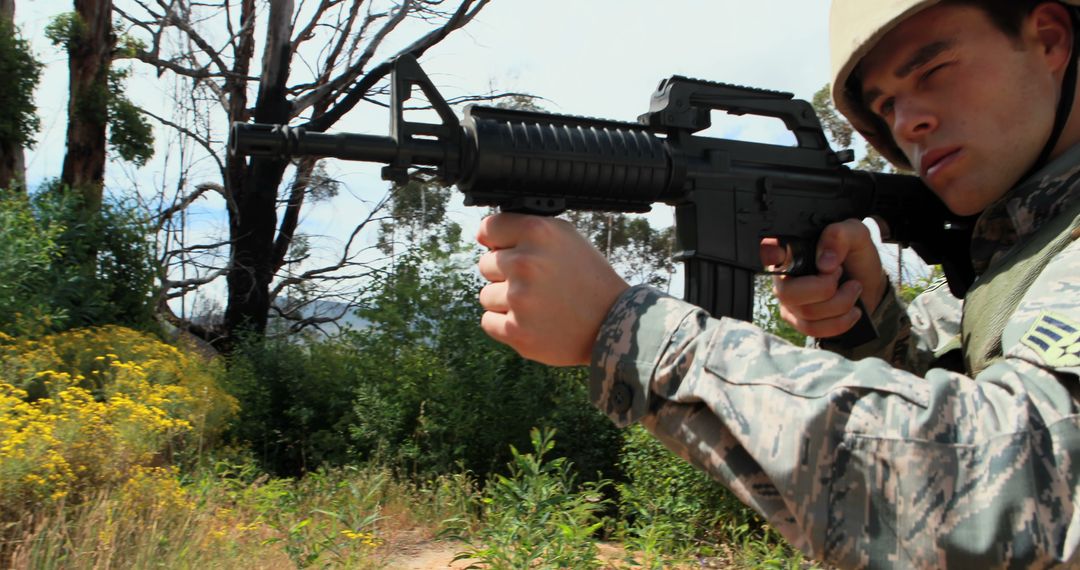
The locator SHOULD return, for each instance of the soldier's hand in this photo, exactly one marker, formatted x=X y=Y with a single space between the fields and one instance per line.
x=550 y=289
x=818 y=305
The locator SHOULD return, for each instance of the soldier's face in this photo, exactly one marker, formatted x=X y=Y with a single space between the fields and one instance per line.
x=970 y=106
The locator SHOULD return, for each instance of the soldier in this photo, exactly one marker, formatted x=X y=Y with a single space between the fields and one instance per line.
x=894 y=461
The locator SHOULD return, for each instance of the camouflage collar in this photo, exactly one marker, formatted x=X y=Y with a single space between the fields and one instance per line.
x=1025 y=209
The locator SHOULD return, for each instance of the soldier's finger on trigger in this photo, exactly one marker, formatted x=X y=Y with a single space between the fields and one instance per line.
x=806 y=289
x=837 y=306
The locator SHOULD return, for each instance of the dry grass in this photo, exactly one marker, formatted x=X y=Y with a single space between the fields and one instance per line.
x=353 y=518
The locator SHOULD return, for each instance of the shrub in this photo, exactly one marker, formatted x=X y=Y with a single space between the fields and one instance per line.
x=90 y=408
x=28 y=247
x=227 y=514
x=422 y=389
x=670 y=507
x=433 y=391
x=21 y=72
x=295 y=402
x=536 y=517
x=63 y=267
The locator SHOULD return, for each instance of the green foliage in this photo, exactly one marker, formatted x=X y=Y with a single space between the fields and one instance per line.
x=28 y=248
x=66 y=30
x=435 y=390
x=295 y=402
x=21 y=72
x=521 y=102
x=226 y=513
x=835 y=125
x=909 y=292
x=320 y=185
x=536 y=517
x=48 y=285
x=872 y=161
x=672 y=510
x=418 y=218
x=128 y=46
x=767 y=313
x=130 y=133
x=641 y=253
x=841 y=132
x=116 y=287
x=670 y=506
x=422 y=388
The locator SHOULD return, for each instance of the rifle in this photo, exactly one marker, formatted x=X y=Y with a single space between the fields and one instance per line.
x=727 y=194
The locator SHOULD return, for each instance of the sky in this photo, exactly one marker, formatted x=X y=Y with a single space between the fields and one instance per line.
x=598 y=58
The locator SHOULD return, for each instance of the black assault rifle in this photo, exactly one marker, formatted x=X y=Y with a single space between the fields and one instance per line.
x=727 y=194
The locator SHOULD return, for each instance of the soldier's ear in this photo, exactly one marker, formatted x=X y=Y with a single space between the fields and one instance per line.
x=1049 y=29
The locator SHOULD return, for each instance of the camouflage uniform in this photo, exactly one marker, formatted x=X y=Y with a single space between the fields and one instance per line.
x=865 y=462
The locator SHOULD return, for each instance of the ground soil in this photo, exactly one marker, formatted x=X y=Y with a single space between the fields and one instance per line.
x=419 y=553
x=428 y=556
x=418 y=550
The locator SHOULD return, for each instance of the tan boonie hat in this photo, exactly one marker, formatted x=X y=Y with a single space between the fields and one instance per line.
x=855 y=27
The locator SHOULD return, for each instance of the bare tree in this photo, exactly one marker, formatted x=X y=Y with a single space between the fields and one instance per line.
x=320 y=58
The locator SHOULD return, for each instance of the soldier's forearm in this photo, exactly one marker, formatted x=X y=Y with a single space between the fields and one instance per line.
x=852 y=461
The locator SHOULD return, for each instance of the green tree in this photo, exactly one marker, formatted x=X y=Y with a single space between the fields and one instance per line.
x=417 y=218
x=44 y=238
x=841 y=133
x=641 y=253
x=19 y=121
x=435 y=391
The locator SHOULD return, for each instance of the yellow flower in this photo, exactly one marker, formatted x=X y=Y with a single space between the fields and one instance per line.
x=149 y=397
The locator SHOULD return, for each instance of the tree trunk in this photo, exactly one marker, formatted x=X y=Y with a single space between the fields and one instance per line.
x=12 y=166
x=253 y=220
x=89 y=58
x=12 y=161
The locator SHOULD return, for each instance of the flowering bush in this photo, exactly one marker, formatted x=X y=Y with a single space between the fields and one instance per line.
x=96 y=408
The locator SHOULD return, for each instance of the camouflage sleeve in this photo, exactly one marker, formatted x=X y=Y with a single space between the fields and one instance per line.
x=860 y=464
x=914 y=338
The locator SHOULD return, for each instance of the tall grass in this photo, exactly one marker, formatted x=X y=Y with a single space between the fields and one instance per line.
x=95 y=425
x=347 y=518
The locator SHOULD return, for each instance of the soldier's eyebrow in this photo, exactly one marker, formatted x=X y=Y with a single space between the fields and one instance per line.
x=921 y=57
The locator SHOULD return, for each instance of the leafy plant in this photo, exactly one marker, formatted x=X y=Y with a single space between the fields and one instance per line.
x=535 y=517
x=28 y=248
x=672 y=512
x=434 y=391
x=295 y=402
x=62 y=268
x=130 y=133
x=21 y=72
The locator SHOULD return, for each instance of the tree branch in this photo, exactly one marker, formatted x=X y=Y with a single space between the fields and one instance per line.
x=461 y=17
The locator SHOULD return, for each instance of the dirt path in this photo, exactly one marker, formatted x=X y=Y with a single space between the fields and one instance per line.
x=428 y=555
x=432 y=555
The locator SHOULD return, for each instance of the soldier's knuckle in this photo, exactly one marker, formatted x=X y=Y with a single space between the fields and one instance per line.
x=521 y=265
x=537 y=228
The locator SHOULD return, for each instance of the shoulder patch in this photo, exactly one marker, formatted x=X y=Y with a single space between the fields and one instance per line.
x=1056 y=339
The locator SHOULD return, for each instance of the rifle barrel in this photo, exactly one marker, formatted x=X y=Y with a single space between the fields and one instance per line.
x=284 y=142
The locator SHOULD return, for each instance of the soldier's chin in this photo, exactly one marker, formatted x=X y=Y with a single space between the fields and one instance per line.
x=962 y=200
x=963 y=207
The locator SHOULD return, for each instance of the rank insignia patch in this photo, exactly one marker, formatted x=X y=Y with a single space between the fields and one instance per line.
x=1056 y=339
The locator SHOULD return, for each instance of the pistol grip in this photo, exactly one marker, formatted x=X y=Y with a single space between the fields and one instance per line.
x=864 y=330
